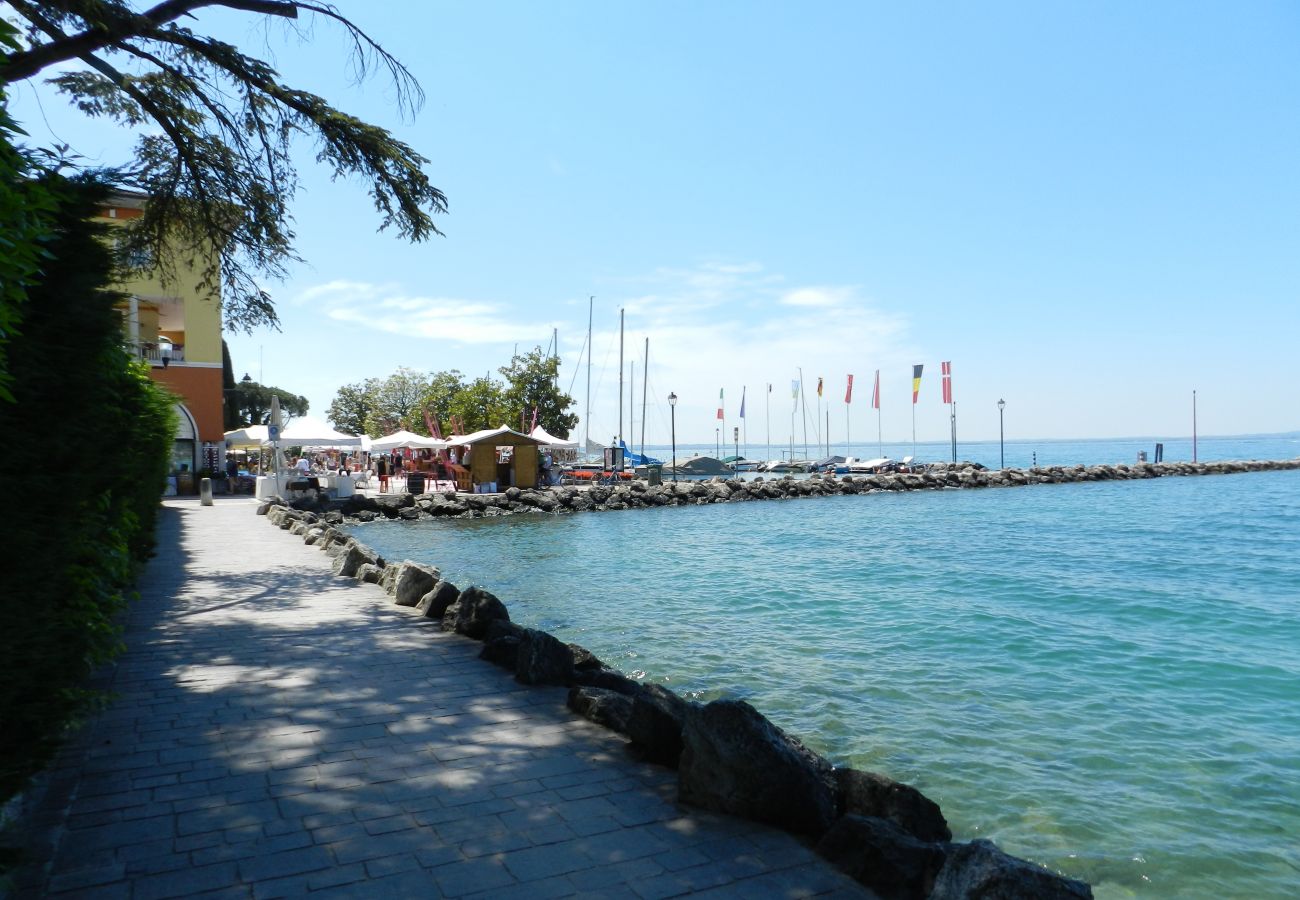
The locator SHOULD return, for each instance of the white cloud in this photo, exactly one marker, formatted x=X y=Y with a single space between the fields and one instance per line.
x=384 y=308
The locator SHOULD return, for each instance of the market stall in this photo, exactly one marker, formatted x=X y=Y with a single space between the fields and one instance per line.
x=495 y=459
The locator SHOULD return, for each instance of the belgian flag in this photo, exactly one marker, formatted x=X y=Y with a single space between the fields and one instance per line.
x=916 y=382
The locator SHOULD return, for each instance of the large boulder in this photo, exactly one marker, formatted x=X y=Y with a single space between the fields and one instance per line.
x=349 y=561
x=604 y=707
x=501 y=643
x=869 y=794
x=584 y=660
x=656 y=723
x=736 y=761
x=434 y=603
x=981 y=870
x=608 y=679
x=543 y=659
x=879 y=854
x=413 y=582
x=474 y=610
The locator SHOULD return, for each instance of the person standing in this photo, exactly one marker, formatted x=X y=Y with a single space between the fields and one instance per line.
x=232 y=472
x=381 y=469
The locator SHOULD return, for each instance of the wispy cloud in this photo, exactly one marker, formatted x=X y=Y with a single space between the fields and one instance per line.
x=386 y=308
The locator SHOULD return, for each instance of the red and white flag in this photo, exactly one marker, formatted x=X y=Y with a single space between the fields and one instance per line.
x=848 y=394
x=875 y=393
x=947 y=382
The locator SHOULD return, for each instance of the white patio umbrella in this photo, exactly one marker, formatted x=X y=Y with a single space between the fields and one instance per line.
x=406 y=440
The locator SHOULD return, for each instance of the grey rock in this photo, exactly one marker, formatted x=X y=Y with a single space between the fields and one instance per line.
x=608 y=679
x=368 y=573
x=543 y=659
x=880 y=855
x=736 y=761
x=434 y=603
x=501 y=651
x=350 y=560
x=869 y=794
x=980 y=870
x=474 y=610
x=604 y=707
x=656 y=723
x=413 y=582
x=584 y=659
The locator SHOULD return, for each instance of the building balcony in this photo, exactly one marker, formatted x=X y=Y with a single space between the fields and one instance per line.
x=159 y=354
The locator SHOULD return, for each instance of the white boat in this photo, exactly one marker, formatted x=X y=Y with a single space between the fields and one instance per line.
x=869 y=466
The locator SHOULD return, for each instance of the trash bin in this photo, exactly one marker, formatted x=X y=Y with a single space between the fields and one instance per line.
x=654 y=474
x=415 y=483
x=185 y=483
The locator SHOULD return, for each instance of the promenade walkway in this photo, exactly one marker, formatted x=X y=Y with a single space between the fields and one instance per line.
x=278 y=731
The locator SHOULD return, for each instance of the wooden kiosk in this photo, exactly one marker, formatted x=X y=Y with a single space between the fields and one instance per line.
x=520 y=470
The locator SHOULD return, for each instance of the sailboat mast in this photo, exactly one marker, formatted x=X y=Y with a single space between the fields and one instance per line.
x=645 y=381
x=586 y=419
x=620 y=376
x=804 y=404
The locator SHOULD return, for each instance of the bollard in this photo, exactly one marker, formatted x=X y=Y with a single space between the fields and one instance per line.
x=205 y=492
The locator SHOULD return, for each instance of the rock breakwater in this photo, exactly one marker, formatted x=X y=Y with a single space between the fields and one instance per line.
x=639 y=495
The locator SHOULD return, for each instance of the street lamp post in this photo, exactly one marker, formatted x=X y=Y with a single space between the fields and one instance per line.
x=672 y=411
x=1002 y=436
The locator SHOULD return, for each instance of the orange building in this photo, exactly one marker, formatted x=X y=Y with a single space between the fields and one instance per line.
x=177 y=328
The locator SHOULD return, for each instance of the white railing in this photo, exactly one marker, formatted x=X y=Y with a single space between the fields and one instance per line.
x=158 y=354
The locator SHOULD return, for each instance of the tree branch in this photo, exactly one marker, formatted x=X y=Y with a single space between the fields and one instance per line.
x=63 y=47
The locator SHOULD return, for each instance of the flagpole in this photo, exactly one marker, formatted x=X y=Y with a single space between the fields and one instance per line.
x=805 y=415
x=768 y=445
x=744 y=421
x=880 y=439
x=954 y=431
x=1193 y=426
x=817 y=422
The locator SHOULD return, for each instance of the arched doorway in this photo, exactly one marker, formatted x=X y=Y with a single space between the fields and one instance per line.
x=186 y=447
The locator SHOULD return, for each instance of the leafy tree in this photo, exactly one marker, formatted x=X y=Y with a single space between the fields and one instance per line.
x=217 y=127
x=440 y=397
x=481 y=404
x=396 y=402
x=252 y=402
x=352 y=405
x=27 y=210
x=532 y=382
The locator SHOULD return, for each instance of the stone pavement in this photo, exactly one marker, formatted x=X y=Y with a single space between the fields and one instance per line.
x=277 y=731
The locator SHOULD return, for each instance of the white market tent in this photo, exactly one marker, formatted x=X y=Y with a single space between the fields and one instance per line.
x=252 y=436
x=541 y=434
x=406 y=440
x=309 y=432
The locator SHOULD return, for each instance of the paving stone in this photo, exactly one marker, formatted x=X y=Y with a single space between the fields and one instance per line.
x=278 y=731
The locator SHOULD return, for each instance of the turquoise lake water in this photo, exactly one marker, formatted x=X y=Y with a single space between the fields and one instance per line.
x=1101 y=677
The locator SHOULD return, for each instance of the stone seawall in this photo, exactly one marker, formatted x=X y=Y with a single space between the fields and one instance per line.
x=639 y=495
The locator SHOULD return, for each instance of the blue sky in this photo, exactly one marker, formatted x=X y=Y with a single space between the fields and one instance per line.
x=1090 y=209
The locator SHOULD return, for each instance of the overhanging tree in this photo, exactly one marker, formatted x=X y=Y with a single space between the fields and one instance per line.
x=218 y=169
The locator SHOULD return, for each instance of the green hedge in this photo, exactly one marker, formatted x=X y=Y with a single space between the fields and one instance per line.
x=88 y=438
